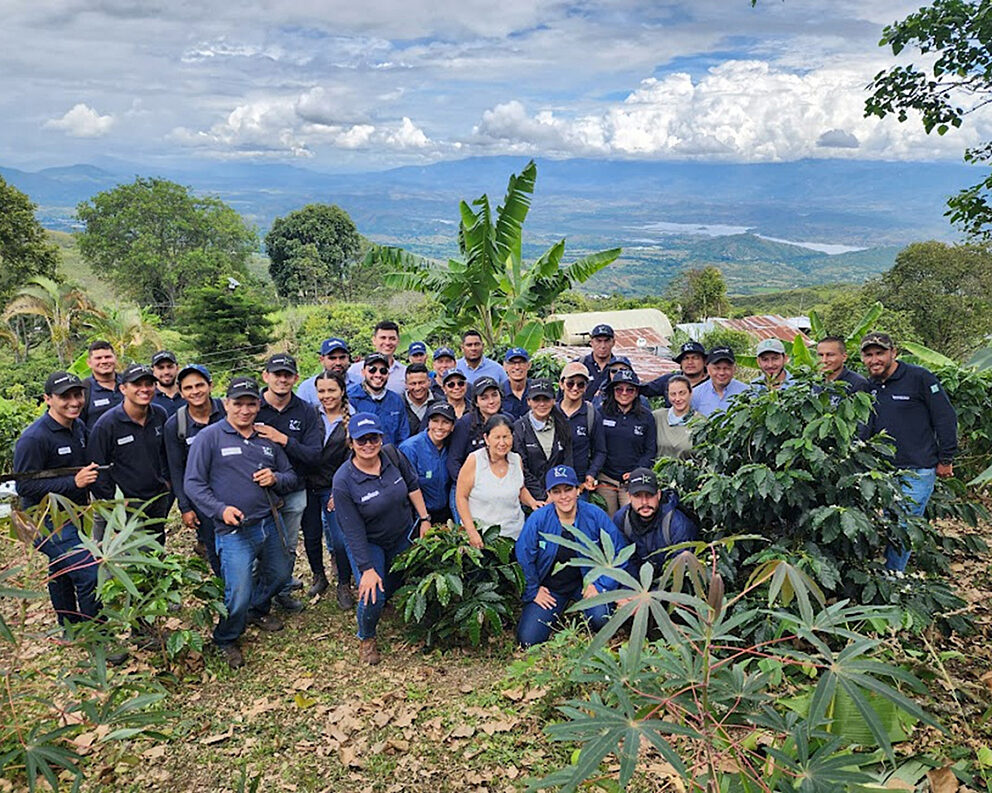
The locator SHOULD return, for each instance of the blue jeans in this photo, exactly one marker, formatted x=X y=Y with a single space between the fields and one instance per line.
x=205 y=535
x=537 y=622
x=919 y=487
x=293 y=506
x=382 y=560
x=238 y=551
x=72 y=573
x=334 y=539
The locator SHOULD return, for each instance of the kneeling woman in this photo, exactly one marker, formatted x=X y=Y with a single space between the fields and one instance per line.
x=550 y=585
x=379 y=505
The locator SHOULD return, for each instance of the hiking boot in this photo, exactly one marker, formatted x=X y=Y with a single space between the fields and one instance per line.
x=266 y=622
x=368 y=652
x=319 y=586
x=288 y=603
x=345 y=600
x=294 y=583
x=231 y=654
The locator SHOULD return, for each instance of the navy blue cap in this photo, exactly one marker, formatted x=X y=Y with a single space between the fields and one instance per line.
x=541 y=387
x=560 y=475
x=373 y=357
x=516 y=352
x=135 y=372
x=642 y=480
x=602 y=330
x=442 y=409
x=327 y=346
x=444 y=352
x=281 y=362
x=628 y=376
x=416 y=348
x=190 y=368
x=484 y=384
x=243 y=387
x=721 y=354
x=688 y=348
x=164 y=355
x=60 y=382
x=456 y=373
x=362 y=424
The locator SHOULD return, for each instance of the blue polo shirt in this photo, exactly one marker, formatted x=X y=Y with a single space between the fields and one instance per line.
x=219 y=470
x=169 y=404
x=705 y=399
x=374 y=509
x=512 y=405
x=588 y=450
x=137 y=452
x=47 y=444
x=431 y=465
x=631 y=441
x=301 y=424
x=177 y=449
x=99 y=399
x=487 y=368
x=391 y=410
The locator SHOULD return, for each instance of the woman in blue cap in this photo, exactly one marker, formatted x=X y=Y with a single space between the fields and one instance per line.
x=379 y=505
x=550 y=584
x=631 y=437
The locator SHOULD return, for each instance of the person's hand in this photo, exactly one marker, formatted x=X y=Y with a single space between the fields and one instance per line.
x=544 y=598
x=330 y=503
x=86 y=476
x=368 y=585
x=190 y=521
x=474 y=538
x=272 y=434
x=626 y=476
x=265 y=477
x=945 y=470
x=425 y=527
x=537 y=504
x=233 y=516
x=590 y=591
x=589 y=484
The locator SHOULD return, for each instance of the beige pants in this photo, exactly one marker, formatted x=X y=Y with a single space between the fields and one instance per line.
x=614 y=494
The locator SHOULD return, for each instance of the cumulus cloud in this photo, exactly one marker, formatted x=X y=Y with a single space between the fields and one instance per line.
x=838 y=139
x=82 y=121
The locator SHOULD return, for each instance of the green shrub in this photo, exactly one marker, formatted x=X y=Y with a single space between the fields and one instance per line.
x=455 y=593
x=15 y=416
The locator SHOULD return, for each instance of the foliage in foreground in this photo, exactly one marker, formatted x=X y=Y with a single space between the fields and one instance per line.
x=455 y=593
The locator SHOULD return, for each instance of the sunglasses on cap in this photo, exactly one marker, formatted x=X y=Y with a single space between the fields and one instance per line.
x=377 y=369
x=368 y=440
x=575 y=382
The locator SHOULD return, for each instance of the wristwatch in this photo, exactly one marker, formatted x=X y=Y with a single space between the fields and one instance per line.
x=425 y=518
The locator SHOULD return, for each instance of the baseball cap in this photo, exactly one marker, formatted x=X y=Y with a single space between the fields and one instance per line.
x=375 y=357
x=615 y=361
x=60 y=382
x=444 y=352
x=164 y=355
x=625 y=376
x=135 y=372
x=516 y=352
x=362 y=424
x=642 y=480
x=601 y=330
x=455 y=373
x=877 y=339
x=190 y=368
x=243 y=387
x=541 y=387
x=484 y=384
x=416 y=348
x=560 y=475
x=442 y=409
x=281 y=362
x=770 y=345
x=721 y=354
x=575 y=369
x=688 y=348
x=327 y=346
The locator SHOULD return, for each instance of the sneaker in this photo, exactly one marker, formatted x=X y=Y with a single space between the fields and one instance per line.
x=294 y=583
x=267 y=622
x=288 y=603
x=318 y=587
x=345 y=600
x=368 y=652
x=231 y=654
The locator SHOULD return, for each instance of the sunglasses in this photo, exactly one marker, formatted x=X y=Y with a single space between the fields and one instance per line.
x=455 y=384
x=625 y=389
x=368 y=440
x=575 y=382
x=377 y=369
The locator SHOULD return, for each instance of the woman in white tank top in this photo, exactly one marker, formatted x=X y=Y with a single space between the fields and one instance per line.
x=491 y=485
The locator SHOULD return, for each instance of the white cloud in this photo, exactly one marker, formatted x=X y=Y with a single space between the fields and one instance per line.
x=838 y=139
x=82 y=121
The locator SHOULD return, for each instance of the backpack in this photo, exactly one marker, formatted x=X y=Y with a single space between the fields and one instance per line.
x=676 y=527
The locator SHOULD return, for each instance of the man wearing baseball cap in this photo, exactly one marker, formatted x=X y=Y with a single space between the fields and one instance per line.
x=832 y=352
x=601 y=340
x=334 y=357
x=717 y=392
x=372 y=395
x=542 y=437
x=58 y=440
x=230 y=468
x=416 y=352
x=772 y=360
x=165 y=367
x=443 y=360
x=516 y=364
x=912 y=407
x=691 y=359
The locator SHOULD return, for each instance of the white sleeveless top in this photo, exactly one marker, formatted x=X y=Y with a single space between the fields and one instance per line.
x=495 y=501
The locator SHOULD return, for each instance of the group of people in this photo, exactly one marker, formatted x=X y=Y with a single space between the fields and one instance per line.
x=366 y=455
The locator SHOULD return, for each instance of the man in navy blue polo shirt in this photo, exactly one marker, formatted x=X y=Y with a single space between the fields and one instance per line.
x=335 y=357
x=287 y=420
x=912 y=407
x=100 y=387
x=602 y=340
x=832 y=352
x=372 y=395
x=58 y=440
x=230 y=471
x=691 y=359
x=516 y=389
x=131 y=437
x=167 y=395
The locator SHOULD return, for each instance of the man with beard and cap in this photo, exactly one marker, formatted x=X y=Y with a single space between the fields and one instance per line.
x=717 y=392
x=691 y=359
x=602 y=340
x=372 y=395
x=772 y=360
x=167 y=394
x=334 y=357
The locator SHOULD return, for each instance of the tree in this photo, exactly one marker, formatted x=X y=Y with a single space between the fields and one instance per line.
x=61 y=306
x=229 y=327
x=955 y=38
x=490 y=288
x=25 y=251
x=156 y=240
x=312 y=252
x=702 y=293
x=131 y=331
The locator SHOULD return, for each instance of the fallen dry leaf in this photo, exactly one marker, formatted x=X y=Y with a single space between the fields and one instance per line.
x=463 y=731
x=302 y=701
x=516 y=694
x=348 y=757
x=210 y=740
x=942 y=780
x=155 y=752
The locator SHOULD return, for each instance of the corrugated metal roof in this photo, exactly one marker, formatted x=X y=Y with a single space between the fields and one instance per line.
x=759 y=326
x=647 y=365
x=629 y=337
x=577 y=326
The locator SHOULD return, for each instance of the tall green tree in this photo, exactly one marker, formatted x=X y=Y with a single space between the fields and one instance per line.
x=312 y=253
x=25 y=250
x=701 y=293
x=61 y=306
x=955 y=39
x=490 y=287
x=156 y=240
x=131 y=331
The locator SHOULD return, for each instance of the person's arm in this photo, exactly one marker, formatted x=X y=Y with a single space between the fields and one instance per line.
x=420 y=507
x=352 y=525
x=100 y=451
x=29 y=455
x=175 y=455
x=650 y=448
x=657 y=387
x=944 y=421
x=196 y=482
x=402 y=425
x=458 y=447
x=532 y=482
x=526 y=551
x=307 y=448
x=466 y=480
x=287 y=480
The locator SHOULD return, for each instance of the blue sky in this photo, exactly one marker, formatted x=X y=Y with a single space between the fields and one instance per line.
x=374 y=84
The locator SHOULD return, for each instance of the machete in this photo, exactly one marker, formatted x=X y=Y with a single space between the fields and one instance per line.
x=48 y=473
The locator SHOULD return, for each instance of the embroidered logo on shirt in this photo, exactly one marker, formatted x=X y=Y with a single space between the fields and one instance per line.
x=65 y=450
x=370 y=495
x=125 y=440
x=229 y=450
x=295 y=425
x=267 y=451
x=638 y=429
x=189 y=441
x=580 y=432
x=158 y=432
x=935 y=388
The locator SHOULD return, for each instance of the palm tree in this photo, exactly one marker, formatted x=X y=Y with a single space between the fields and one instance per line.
x=61 y=306
x=127 y=329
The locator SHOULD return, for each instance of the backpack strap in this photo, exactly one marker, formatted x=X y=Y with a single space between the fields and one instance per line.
x=392 y=455
x=590 y=419
x=625 y=527
x=182 y=422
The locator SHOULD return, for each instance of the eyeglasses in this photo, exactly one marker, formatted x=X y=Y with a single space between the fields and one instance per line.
x=575 y=382
x=377 y=369
x=368 y=440
x=624 y=389
x=455 y=384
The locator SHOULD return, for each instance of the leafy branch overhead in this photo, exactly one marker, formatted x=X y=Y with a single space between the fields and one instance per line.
x=490 y=287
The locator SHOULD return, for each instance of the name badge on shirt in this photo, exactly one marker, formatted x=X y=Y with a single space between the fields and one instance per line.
x=65 y=450
x=609 y=422
x=901 y=397
x=189 y=440
x=99 y=403
x=125 y=440
x=230 y=450
x=369 y=496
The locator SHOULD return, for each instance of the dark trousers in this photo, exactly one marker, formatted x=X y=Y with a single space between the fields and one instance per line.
x=72 y=572
x=536 y=622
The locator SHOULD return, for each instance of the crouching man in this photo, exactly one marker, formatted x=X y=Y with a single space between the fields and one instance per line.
x=231 y=475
